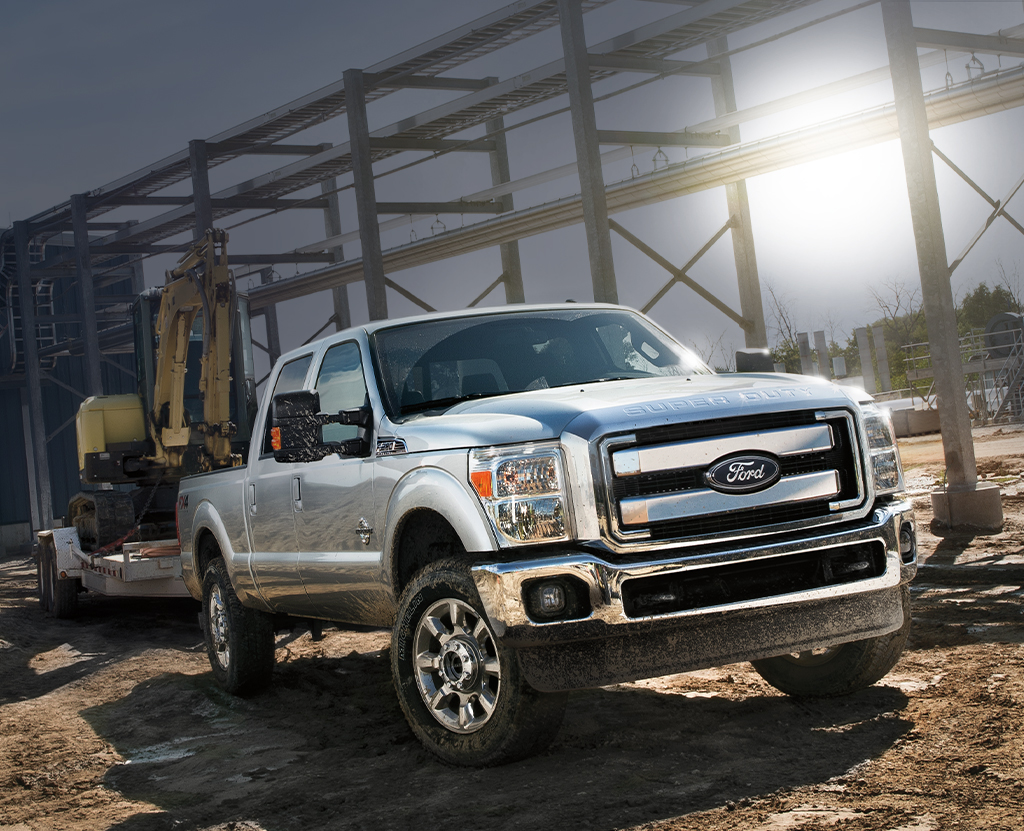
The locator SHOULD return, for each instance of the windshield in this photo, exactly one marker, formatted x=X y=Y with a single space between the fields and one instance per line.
x=436 y=364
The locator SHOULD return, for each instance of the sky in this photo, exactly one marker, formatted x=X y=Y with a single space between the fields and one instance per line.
x=91 y=90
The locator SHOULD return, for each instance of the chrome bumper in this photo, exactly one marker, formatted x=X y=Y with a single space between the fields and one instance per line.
x=694 y=638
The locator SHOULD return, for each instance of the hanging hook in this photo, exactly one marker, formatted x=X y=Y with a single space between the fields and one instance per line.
x=974 y=64
x=949 y=75
x=438 y=227
x=412 y=235
x=634 y=171
x=660 y=159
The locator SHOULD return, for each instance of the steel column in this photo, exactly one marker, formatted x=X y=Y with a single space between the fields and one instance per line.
x=332 y=227
x=366 y=195
x=511 y=266
x=939 y=308
x=40 y=455
x=588 y=151
x=197 y=160
x=86 y=296
x=270 y=320
x=751 y=305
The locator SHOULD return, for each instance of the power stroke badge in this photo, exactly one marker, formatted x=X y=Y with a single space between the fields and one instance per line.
x=743 y=474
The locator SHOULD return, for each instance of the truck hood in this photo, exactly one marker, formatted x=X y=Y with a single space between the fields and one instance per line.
x=593 y=410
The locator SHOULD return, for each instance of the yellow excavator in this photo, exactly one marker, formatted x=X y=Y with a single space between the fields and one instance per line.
x=193 y=411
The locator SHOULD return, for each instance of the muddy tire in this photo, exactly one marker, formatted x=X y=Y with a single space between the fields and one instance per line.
x=839 y=670
x=239 y=641
x=58 y=598
x=462 y=692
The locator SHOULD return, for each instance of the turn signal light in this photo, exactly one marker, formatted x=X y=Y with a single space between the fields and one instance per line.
x=275 y=438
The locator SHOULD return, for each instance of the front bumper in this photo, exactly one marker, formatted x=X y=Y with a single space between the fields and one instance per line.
x=608 y=646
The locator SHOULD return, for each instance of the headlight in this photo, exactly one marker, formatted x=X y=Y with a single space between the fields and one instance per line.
x=523 y=491
x=883 y=455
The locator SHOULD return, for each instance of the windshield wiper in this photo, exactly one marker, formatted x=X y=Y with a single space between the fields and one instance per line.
x=443 y=403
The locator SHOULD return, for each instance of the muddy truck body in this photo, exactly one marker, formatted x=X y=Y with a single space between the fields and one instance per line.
x=542 y=499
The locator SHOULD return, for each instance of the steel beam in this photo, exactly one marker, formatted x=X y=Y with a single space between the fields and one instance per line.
x=637 y=138
x=198 y=164
x=237 y=149
x=431 y=145
x=439 y=208
x=86 y=296
x=511 y=265
x=270 y=321
x=939 y=308
x=239 y=202
x=969 y=42
x=37 y=419
x=332 y=227
x=751 y=304
x=654 y=66
x=366 y=196
x=588 y=152
x=425 y=82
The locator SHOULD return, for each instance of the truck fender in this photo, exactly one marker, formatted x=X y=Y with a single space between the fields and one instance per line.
x=207 y=519
x=437 y=490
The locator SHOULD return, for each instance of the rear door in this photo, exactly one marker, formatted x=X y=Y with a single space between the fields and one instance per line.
x=271 y=504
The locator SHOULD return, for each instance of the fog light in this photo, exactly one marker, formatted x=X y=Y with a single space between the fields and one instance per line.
x=908 y=546
x=552 y=598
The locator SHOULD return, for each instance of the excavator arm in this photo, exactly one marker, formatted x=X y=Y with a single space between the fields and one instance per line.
x=200 y=284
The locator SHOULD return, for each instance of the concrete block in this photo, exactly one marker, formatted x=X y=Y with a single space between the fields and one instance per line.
x=900 y=423
x=922 y=421
x=981 y=508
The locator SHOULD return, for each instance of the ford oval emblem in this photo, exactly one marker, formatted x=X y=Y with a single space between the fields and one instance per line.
x=743 y=474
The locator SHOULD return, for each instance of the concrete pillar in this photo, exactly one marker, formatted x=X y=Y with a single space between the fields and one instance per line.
x=882 y=358
x=270 y=320
x=821 y=347
x=751 y=305
x=511 y=267
x=197 y=160
x=939 y=309
x=867 y=369
x=86 y=296
x=804 y=343
x=588 y=152
x=40 y=457
x=366 y=195
x=332 y=227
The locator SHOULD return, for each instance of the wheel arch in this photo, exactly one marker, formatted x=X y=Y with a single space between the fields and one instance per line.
x=431 y=516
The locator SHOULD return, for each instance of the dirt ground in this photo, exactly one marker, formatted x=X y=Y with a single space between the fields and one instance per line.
x=112 y=721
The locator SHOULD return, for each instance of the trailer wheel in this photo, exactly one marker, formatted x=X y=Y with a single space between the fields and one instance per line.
x=462 y=692
x=239 y=641
x=57 y=597
x=839 y=670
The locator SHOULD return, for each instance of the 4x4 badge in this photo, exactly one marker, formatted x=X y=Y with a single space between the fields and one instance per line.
x=743 y=474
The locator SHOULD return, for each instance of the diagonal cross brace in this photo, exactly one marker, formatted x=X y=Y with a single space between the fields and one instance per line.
x=679 y=274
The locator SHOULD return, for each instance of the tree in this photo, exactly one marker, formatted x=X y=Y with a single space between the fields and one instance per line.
x=979 y=306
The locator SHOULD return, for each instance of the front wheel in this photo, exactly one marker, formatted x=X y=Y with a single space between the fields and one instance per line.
x=838 y=670
x=239 y=641
x=462 y=692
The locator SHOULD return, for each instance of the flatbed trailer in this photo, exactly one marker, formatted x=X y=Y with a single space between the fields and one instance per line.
x=133 y=569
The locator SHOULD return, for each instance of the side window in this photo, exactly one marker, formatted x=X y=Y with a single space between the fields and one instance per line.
x=342 y=387
x=292 y=375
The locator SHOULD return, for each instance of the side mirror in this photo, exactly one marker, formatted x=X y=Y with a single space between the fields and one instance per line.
x=296 y=428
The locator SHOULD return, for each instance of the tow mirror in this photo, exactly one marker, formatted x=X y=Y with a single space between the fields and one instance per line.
x=296 y=428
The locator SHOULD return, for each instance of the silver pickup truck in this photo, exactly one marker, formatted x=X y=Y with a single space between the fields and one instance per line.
x=546 y=498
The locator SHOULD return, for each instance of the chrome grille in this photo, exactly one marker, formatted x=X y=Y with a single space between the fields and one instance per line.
x=658 y=492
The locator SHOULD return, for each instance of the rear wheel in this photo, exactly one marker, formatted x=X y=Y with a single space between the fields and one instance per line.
x=462 y=692
x=239 y=641
x=838 y=670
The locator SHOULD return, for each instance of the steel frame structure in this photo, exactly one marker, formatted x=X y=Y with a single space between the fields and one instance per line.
x=489 y=104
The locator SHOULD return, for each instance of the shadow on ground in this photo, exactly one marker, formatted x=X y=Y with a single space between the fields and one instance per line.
x=327 y=747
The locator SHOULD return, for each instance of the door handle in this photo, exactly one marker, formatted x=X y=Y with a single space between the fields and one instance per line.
x=296 y=494
x=252 y=500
